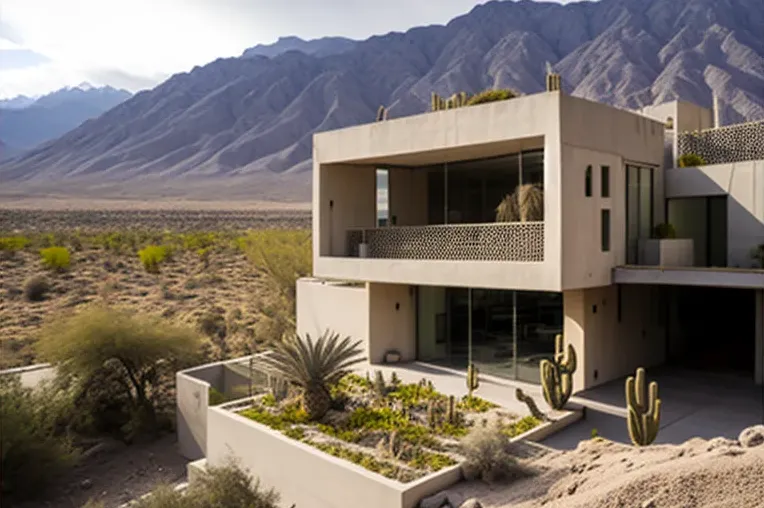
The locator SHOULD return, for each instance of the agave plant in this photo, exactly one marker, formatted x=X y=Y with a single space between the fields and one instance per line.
x=313 y=366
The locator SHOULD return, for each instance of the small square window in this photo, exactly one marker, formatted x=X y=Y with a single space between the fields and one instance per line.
x=605 y=230
x=605 y=181
x=588 y=183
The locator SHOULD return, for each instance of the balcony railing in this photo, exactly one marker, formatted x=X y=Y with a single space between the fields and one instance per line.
x=732 y=143
x=510 y=241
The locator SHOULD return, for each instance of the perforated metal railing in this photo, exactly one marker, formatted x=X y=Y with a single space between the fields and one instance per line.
x=731 y=143
x=510 y=241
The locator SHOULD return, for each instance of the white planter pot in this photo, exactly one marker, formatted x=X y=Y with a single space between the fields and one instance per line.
x=667 y=252
x=363 y=250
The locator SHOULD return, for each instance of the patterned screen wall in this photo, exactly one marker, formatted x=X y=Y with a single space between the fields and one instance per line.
x=733 y=143
x=511 y=241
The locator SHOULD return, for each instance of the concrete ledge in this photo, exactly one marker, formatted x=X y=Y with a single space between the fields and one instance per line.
x=690 y=276
x=546 y=429
x=196 y=469
x=278 y=460
x=32 y=375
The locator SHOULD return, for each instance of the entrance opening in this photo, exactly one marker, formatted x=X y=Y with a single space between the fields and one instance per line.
x=713 y=330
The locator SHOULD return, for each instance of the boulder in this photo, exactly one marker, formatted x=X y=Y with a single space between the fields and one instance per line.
x=471 y=503
x=439 y=500
x=752 y=436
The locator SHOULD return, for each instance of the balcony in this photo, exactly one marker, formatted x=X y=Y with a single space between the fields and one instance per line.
x=732 y=143
x=510 y=241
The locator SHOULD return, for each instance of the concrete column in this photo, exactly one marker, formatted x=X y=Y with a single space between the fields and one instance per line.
x=574 y=309
x=759 y=337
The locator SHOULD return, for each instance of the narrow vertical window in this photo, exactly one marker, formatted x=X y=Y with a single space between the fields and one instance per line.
x=605 y=181
x=605 y=231
x=588 y=183
x=383 y=197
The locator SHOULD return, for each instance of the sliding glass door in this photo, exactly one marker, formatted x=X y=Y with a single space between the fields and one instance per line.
x=639 y=209
x=505 y=333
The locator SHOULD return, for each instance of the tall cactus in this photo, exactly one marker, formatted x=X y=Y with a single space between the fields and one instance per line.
x=473 y=381
x=435 y=104
x=644 y=416
x=557 y=375
x=381 y=114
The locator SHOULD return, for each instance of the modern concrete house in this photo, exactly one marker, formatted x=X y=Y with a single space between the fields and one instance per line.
x=408 y=211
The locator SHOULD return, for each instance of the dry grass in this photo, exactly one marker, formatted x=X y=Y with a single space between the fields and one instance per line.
x=189 y=288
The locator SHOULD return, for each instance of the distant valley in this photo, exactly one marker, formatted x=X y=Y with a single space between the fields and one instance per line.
x=242 y=127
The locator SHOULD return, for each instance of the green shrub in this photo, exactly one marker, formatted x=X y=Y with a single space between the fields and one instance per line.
x=521 y=426
x=55 y=258
x=475 y=404
x=34 y=452
x=13 y=243
x=690 y=160
x=665 y=230
x=491 y=96
x=35 y=288
x=284 y=256
x=138 y=354
x=153 y=256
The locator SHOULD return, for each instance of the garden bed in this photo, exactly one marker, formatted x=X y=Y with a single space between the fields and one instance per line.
x=401 y=431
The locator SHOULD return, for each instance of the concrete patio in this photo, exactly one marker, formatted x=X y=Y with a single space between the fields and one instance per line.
x=694 y=404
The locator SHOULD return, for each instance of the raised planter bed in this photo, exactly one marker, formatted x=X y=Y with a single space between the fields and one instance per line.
x=347 y=460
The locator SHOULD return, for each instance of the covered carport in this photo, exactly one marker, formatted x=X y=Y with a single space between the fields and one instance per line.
x=711 y=383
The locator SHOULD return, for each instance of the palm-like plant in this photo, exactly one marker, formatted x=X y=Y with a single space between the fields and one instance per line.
x=313 y=366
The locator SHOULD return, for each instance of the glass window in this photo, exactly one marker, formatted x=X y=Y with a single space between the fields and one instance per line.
x=588 y=183
x=605 y=234
x=605 y=181
x=383 y=197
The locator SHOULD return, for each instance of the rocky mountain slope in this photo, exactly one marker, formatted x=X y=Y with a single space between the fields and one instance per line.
x=317 y=47
x=26 y=125
x=247 y=122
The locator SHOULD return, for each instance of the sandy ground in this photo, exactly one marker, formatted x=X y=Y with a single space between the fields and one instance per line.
x=79 y=203
x=117 y=474
x=603 y=474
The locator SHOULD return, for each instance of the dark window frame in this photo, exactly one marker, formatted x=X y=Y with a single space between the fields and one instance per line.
x=588 y=182
x=605 y=181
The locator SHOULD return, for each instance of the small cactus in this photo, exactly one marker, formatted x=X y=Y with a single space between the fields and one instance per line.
x=557 y=375
x=435 y=104
x=395 y=382
x=432 y=415
x=380 y=388
x=532 y=407
x=451 y=413
x=644 y=417
x=278 y=388
x=473 y=381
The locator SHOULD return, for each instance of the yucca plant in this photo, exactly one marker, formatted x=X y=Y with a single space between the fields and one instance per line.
x=313 y=366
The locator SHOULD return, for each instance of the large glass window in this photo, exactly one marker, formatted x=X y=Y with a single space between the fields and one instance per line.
x=470 y=192
x=505 y=333
x=639 y=209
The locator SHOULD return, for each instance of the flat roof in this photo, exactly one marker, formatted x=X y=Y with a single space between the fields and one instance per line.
x=743 y=278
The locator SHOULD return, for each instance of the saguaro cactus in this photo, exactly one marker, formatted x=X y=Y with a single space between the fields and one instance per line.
x=644 y=416
x=435 y=105
x=473 y=381
x=381 y=114
x=557 y=375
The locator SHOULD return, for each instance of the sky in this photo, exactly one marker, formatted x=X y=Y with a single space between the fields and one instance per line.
x=135 y=44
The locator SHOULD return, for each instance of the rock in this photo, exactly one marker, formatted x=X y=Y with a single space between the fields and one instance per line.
x=572 y=489
x=752 y=436
x=438 y=500
x=471 y=503
x=86 y=484
x=650 y=503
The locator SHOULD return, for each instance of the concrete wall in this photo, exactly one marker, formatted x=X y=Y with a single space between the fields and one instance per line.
x=743 y=183
x=758 y=375
x=344 y=197
x=32 y=375
x=608 y=347
x=597 y=135
x=685 y=116
x=192 y=400
x=323 y=305
x=392 y=321
x=305 y=476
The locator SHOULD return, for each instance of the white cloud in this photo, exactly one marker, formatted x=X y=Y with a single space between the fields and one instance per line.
x=37 y=80
x=147 y=40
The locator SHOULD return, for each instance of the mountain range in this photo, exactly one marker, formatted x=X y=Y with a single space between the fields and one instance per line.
x=242 y=127
x=25 y=122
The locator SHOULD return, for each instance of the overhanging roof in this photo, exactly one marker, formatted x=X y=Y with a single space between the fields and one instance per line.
x=690 y=276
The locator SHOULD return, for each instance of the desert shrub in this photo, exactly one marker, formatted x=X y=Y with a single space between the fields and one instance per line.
x=35 y=288
x=34 y=451
x=284 y=256
x=487 y=456
x=138 y=356
x=226 y=486
x=491 y=96
x=690 y=160
x=55 y=258
x=153 y=256
x=10 y=245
